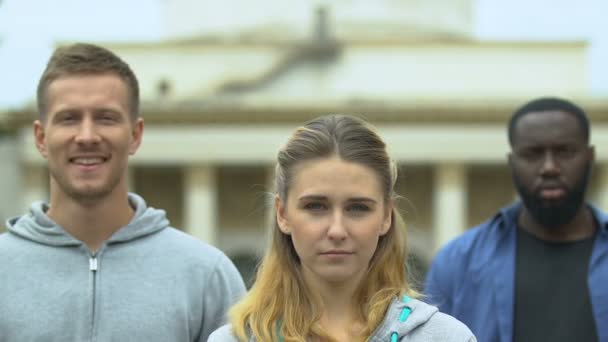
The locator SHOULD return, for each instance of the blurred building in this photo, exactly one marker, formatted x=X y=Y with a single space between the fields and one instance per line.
x=218 y=105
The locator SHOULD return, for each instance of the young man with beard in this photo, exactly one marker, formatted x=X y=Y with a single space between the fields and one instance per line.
x=538 y=269
x=95 y=263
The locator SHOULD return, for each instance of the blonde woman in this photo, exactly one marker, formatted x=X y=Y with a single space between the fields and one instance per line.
x=334 y=270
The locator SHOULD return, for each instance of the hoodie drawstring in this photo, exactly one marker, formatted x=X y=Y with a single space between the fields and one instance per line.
x=402 y=318
x=279 y=331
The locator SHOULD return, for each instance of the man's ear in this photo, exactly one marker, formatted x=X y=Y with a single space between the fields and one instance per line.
x=137 y=133
x=280 y=209
x=40 y=137
x=591 y=156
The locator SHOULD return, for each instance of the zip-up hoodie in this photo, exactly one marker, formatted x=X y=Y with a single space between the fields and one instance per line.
x=148 y=282
x=423 y=323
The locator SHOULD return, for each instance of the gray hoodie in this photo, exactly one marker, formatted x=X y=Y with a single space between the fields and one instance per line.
x=424 y=324
x=148 y=282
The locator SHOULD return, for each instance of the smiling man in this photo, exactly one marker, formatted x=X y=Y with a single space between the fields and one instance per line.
x=537 y=270
x=95 y=263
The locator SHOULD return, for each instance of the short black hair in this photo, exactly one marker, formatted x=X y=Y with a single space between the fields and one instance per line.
x=544 y=104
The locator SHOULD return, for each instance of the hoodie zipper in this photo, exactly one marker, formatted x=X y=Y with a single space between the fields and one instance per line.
x=93 y=268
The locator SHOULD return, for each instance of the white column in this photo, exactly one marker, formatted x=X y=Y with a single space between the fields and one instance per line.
x=601 y=195
x=200 y=202
x=449 y=202
x=35 y=186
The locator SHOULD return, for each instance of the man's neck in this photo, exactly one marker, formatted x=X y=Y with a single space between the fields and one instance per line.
x=92 y=222
x=582 y=226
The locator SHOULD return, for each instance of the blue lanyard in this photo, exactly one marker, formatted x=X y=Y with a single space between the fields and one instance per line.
x=394 y=336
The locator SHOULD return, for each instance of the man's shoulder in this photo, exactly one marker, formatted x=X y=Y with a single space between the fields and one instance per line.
x=483 y=236
x=600 y=215
x=466 y=240
x=188 y=245
x=8 y=242
x=180 y=251
x=4 y=236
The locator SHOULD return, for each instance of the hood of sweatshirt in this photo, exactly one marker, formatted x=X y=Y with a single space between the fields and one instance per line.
x=419 y=322
x=393 y=323
x=38 y=227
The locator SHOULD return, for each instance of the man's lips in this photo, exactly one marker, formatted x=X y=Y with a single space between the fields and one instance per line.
x=86 y=161
x=552 y=193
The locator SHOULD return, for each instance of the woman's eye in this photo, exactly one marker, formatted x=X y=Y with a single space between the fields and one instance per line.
x=315 y=206
x=358 y=207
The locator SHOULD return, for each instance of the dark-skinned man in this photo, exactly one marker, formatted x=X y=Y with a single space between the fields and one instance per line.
x=538 y=269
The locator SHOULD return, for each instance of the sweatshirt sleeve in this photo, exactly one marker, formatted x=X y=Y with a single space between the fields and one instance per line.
x=223 y=289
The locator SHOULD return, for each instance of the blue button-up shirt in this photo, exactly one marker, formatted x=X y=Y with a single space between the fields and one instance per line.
x=473 y=277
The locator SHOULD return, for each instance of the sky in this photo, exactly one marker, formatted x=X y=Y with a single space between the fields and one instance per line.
x=30 y=28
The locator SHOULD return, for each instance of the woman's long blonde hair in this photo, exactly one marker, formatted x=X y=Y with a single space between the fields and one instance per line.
x=279 y=300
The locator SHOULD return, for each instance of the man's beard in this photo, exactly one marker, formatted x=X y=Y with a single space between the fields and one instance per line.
x=554 y=213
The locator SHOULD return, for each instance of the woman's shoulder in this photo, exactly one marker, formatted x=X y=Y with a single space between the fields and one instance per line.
x=223 y=334
x=415 y=320
x=443 y=327
x=448 y=328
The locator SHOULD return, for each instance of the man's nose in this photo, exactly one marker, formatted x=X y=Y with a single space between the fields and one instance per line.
x=87 y=132
x=550 y=165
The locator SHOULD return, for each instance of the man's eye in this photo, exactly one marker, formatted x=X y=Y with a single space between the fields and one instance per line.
x=67 y=118
x=566 y=151
x=107 y=117
x=531 y=153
